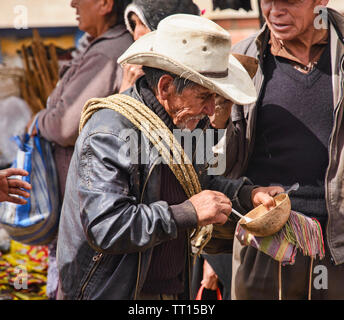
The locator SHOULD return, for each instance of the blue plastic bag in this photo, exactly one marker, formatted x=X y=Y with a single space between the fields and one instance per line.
x=36 y=222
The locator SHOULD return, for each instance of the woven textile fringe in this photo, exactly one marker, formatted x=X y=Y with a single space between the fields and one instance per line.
x=305 y=233
x=300 y=233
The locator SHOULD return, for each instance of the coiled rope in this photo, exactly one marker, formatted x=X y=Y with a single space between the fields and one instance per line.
x=162 y=139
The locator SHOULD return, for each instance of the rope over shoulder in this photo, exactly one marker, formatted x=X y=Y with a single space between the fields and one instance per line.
x=162 y=138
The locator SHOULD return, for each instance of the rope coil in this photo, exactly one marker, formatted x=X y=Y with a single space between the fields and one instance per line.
x=162 y=139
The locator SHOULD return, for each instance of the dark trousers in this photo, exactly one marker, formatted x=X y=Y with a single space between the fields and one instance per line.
x=255 y=276
x=222 y=265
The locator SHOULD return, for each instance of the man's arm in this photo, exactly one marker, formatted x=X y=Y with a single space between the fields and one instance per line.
x=113 y=219
x=245 y=196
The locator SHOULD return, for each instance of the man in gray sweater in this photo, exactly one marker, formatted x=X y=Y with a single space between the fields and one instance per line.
x=294 y=133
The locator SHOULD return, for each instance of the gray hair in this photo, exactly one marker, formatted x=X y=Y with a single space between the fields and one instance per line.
x=153 y=76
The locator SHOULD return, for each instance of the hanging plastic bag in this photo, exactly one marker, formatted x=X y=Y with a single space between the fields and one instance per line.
x=14 y=115
x=36 y=222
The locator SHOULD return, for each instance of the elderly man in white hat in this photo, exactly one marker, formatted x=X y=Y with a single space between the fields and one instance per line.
x=127 y=219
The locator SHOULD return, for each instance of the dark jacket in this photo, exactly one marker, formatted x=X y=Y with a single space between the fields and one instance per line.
x=241 y=130
x=112 y=216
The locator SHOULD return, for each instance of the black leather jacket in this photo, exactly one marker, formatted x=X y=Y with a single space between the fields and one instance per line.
x=112 y=216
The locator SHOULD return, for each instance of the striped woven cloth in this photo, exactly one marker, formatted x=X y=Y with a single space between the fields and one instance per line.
x=299 y=233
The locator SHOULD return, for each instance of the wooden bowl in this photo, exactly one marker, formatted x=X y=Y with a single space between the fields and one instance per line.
x=267 y=222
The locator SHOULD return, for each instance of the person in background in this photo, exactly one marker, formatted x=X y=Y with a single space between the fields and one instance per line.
x=94 y=73
x=11 y=188
x=142 y=17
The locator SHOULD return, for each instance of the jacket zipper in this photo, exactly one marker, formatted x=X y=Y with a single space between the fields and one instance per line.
x=138 y=276
x=96 y=259
x=140 y=254
x=149 y=174
x=330 y=159
x=189 y=264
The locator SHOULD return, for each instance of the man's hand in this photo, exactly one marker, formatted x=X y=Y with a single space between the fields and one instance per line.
x=223 y=109
x=210 y=278
x=264 y=195
x=9 y=187
x=131 y=72
x=212 y=207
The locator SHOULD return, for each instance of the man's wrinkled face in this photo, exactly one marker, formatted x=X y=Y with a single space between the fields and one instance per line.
x=85 y=14
x=289 y=19
x=192 y=105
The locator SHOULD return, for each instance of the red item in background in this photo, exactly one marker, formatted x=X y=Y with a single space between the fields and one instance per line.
x=200 y=292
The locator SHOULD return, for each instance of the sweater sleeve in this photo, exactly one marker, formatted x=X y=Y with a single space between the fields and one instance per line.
x=95 y=77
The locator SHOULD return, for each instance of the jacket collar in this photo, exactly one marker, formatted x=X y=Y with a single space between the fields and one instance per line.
x=151 y=101
x=337 y=54
x=262 y=40
x=337 y=21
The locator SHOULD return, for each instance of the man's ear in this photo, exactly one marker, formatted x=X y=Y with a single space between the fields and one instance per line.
x=165 y=87
x=105 y=6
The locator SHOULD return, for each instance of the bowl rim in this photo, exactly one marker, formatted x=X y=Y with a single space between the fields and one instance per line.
x=286 y=198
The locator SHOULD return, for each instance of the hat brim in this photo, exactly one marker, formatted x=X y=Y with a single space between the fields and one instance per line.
x=237 y=86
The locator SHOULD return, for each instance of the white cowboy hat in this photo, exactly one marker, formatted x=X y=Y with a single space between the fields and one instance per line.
x=197 y=49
